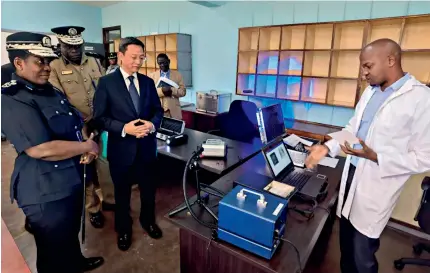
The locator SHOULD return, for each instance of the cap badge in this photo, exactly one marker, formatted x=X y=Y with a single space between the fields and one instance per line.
x=46 y=42
x=73 y=31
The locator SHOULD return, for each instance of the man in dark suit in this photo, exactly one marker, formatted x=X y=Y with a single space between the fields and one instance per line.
x=126 y=105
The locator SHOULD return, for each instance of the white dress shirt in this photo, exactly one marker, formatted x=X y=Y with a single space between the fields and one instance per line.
x=125 y=75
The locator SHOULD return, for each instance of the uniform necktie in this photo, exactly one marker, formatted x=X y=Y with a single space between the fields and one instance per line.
x=134 y=94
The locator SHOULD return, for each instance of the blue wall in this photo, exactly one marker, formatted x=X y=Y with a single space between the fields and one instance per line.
x=215 y=36
x=41 y=16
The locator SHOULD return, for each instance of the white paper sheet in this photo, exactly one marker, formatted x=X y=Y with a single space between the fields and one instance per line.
x=343 y=136
x=293 y=140
x=329 y=162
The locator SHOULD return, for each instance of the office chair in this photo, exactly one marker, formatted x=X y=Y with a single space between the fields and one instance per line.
x=423 y=218
x=240 y=123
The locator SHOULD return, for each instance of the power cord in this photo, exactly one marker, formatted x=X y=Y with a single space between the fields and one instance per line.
x=297 y=252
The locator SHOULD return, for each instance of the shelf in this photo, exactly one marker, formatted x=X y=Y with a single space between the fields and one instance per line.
x=293 y=37
x=316 y=63
x=142 y=70
x=314 y=90
x=379 y=29
x=342 y=92
x=345 y=64
x=291 y=63
x=348 y=35
x=266 y=86
x=268 y=62
x=247 y=62
x=363 y=86
x=289 y=87
x=150 y=70
x=160 y=43
x=319 y=36
x=151 y=60
x=416 y=34
x=245 y=84
x=150 y=43
x=270 y=38
x=173 y=57
x=142 y=39
x=248 y=39
x=171 y=42
x=417 y=64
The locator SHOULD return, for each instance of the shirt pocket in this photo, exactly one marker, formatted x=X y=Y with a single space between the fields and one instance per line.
x=57 y=176
x=70 y=83
x=62 y=122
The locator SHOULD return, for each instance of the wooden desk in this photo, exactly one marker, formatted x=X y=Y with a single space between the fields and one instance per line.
x=200 y=254
x=200 y=121
x=237 y=152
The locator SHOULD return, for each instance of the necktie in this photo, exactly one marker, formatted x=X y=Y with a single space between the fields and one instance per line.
x=134 y=94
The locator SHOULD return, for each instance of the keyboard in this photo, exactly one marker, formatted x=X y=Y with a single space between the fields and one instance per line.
x=297 y=180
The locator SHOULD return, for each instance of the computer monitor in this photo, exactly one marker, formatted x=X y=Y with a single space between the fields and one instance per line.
x=271 y=122
x=278 y=157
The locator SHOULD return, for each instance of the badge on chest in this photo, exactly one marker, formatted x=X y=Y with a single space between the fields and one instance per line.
x=66 y=72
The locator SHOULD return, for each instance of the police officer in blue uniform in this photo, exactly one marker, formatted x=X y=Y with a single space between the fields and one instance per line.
x=46 y=133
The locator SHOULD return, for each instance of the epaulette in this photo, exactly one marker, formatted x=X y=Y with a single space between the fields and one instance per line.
x=11 y=88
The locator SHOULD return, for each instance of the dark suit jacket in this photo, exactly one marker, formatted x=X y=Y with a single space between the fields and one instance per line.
x=113 y=108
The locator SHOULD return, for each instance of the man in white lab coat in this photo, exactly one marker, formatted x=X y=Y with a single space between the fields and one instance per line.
x=392 y=121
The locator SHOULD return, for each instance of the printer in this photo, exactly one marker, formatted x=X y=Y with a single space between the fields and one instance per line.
x=253 y=221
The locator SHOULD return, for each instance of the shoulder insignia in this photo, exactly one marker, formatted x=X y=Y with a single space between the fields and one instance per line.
x=10 y=88
x=9 y=84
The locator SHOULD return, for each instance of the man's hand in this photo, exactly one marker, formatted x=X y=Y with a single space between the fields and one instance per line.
x=317 y=153
x=147 y=128
x=167 y=91
x=132 y=129
x=365 y=152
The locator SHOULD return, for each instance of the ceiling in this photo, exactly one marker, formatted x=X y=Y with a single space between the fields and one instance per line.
x=100 y=4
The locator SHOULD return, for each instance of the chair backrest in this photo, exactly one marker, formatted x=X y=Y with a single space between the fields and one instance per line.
x=423 y=215
x=241 y=122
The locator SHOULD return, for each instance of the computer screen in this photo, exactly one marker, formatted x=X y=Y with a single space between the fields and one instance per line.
x=278 y=158
x=273 y=120
x=172 y=125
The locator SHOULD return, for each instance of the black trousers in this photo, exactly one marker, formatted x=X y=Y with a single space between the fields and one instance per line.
x=55 y=228
x=123 y=177
x=357 y=250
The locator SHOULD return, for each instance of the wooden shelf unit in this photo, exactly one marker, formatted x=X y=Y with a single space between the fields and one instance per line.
x=177 y=46
x=319 y=62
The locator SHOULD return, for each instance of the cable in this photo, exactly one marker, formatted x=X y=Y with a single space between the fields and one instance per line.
x=297 y=252
x=193 y=160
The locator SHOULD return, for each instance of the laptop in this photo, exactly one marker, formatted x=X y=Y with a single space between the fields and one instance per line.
x=270 y=123
x=307 y=184
x=170 y=127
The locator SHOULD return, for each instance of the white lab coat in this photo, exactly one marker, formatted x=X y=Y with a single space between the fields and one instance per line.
x=400 y=135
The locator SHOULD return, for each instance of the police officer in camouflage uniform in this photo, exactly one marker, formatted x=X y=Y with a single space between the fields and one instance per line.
x=77 y=75
x=46 y=133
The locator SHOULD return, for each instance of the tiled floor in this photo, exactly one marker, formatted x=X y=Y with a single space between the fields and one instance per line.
x=158 y=256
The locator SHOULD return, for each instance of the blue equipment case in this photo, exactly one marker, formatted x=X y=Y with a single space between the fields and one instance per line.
x=252 y=220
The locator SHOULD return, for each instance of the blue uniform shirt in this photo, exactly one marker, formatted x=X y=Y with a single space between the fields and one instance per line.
x=165 y=74
x=32 y=115
x=375 y=102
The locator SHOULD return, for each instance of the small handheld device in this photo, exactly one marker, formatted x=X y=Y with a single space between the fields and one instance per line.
x=214 y=148
x=170 y=127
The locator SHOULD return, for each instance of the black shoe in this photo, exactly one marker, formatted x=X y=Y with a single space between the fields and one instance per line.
x=153 y=230
x=92 y=263
x=97 y=219
x=124 y=241
x=108 y=206
x=27 y=226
